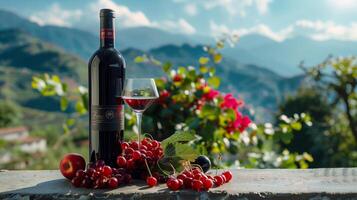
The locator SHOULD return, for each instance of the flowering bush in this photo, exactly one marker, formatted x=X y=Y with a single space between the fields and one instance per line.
x=189 y=101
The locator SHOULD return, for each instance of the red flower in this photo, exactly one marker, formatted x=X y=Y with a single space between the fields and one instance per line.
x=210 y=95
x=164 y=94
x=230 y=102
x=240 y=123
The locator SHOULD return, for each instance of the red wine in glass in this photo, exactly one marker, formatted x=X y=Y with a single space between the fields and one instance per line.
x=139 y=103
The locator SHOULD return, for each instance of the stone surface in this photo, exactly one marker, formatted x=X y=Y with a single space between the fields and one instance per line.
x=332 y=183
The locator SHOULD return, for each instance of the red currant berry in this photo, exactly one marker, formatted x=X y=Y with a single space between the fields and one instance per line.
x=188 y=182
x=107 y=171
x=80 y=173
x=207 y=183
x=128 y=151
x=151 y=181
x=136 y=155
x=90 y=172
x=121 y=161
x=218 y=180
x=155 y=144
x=95 y=176
x=228 y=175
x=113 y=182
x=77 y=181
x=197 y=185
x=100 y=163
x=149 y=154
x=124 y=145
x=182 y=176
x=127 y=178
x=224 y=178
x=120 y=178
x=87 y=183
x=100 y=182
x=130 y=164
x=173 y=184
x=197 y=176
x=181 y=182
x=134 y=145
x=196 y=171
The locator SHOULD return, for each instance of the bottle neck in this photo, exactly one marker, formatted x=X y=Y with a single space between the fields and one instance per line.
x=107 y=32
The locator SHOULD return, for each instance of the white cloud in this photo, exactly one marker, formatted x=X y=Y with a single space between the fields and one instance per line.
x=316 y=30
x=262 y=5
x=128 y=18
x=240 y=7
x=191 y=9
x=180 y=26
x=262 y=29
x=56 y=15
x=325 y=30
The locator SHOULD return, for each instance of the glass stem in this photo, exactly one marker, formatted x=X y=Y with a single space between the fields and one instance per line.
x=139 y=116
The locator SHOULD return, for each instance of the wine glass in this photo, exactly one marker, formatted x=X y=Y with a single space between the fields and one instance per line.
x=139 y=94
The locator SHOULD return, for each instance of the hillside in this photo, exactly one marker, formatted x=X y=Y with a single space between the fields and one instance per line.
x=281 y=57
x=22 y=56
x=258 y=86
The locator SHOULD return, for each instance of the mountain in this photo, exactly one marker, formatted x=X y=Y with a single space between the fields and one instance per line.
x=73 y=40
x=146 y=38
x=284 y=57
x=259 y=87
x=281 y=57
x=23 y=56
x=84 y=43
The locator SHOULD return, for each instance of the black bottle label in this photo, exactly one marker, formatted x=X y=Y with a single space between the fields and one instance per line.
x=107 y=118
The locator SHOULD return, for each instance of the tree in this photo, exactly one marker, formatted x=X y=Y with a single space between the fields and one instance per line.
x=338 y=77
x=10 y=114
x=311 y=138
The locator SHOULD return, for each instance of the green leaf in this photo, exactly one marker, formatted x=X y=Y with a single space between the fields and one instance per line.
x=181 y=70
x=166 y=66
x=130 y=136
x=217 y=58
x=203 y=60
x=308 y=157
x=177 y=151
x=203 y=69
x=139 y=59
x=210 y=112
x=64 y=103
x=160 y=83
x=296 y=126
x=179 y=136
x=80 y=108
x=212 y=71
x=214 y=81
x=70 y=122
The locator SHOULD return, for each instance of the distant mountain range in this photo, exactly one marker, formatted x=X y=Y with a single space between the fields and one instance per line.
x=22 y=56
x=253 y=69
x=280 y=57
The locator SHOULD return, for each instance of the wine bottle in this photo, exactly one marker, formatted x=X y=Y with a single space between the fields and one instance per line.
x=106 y=108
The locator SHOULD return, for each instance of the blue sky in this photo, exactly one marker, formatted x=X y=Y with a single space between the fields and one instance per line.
x=276 y=19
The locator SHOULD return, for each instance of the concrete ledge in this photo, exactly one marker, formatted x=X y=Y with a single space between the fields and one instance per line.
x=329 y=183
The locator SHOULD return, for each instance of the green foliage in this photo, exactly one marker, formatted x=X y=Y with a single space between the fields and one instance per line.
x=10 y=114
x=205 y=121
x=338 y=77
x=49 y=85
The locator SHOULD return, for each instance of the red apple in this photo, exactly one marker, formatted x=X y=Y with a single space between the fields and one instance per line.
x=70 y=164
